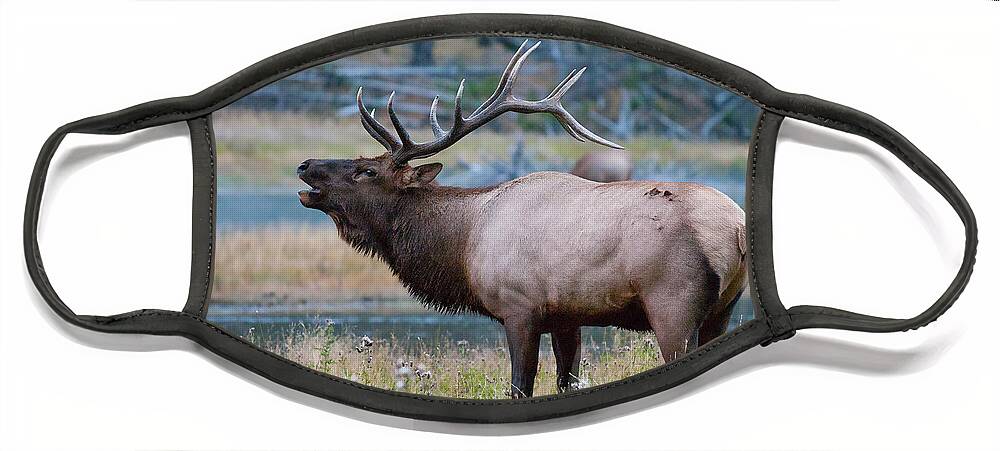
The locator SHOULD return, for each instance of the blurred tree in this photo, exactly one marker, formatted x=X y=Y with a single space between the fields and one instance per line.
x=621 y=95
x=423 y=53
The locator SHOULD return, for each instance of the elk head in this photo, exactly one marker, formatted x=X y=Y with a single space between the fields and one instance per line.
x=349 y=190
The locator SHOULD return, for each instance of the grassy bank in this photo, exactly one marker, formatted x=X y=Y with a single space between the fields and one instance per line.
x=299 y=262
x=455 y=369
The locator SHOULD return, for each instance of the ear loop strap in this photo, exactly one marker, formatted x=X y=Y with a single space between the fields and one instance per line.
x=855 y=122
x=148 y=321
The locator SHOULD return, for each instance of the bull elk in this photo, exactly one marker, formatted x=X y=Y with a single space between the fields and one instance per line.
x=603 y=166
x=545 y=253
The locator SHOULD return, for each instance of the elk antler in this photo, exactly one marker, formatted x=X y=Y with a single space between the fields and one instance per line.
x=403 y=149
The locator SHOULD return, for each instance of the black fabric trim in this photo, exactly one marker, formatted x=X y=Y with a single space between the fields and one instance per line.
x=197 y=107
x=759 y=179
x=202 y=215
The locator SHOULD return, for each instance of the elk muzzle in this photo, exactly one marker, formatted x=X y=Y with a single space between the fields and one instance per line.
x=311 y=172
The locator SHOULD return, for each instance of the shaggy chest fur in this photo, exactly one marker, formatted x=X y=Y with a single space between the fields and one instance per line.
x=423 y=239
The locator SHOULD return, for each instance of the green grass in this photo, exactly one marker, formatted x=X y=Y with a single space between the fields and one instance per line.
x=444 y=367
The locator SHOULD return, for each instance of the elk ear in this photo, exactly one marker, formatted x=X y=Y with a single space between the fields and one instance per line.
x=421 y=175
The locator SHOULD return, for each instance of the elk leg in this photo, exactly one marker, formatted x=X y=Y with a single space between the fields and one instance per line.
x=675 y=309
x=716 y=323
x=566 y=346
x=522 y=342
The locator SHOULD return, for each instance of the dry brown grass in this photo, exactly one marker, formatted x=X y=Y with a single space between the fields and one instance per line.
x=456 y=369
x=297 y=261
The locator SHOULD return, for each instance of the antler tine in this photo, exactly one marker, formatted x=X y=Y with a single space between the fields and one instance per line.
x=372 y=131
x=509 y=75
x=404 y=137
x=513 y=72
x=554 y=92
x=554 y=99
x=577 y=129
x=459 y=120
x=570 y=130
x=410 y=150
x=435 y=125
x=566 y=83
x=375 y=128
x=403 y=149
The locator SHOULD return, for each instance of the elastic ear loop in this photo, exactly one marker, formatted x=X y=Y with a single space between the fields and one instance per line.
x=139 y=321
x=861 y=124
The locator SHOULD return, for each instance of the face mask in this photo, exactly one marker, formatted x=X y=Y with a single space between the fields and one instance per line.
x=546 y=248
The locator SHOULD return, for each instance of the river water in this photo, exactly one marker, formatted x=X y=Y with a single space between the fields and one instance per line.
x=276 y=321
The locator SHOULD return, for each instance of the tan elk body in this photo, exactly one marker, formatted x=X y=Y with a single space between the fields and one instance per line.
x=545 y=253
x=558 y=245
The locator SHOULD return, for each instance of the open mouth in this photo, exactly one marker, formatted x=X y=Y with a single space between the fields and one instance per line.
x=308 y=196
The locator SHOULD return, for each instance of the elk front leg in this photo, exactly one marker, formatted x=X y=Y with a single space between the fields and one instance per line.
x=566 y=346
x=522 y=342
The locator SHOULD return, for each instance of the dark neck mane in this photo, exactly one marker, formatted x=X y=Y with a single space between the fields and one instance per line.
x=423 y=237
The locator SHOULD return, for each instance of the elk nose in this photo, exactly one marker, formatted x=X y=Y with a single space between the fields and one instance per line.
x=303 y=166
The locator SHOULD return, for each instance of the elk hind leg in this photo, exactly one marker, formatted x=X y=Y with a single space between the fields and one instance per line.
x=717 y=322
x=566 y=347
x=676 y=308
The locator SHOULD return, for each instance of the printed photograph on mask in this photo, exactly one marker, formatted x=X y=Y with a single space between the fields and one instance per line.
x=580 y=222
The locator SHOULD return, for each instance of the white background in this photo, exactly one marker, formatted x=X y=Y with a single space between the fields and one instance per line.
x=852 y=228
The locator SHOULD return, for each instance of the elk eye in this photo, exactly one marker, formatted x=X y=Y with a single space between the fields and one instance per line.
x=369 y=173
